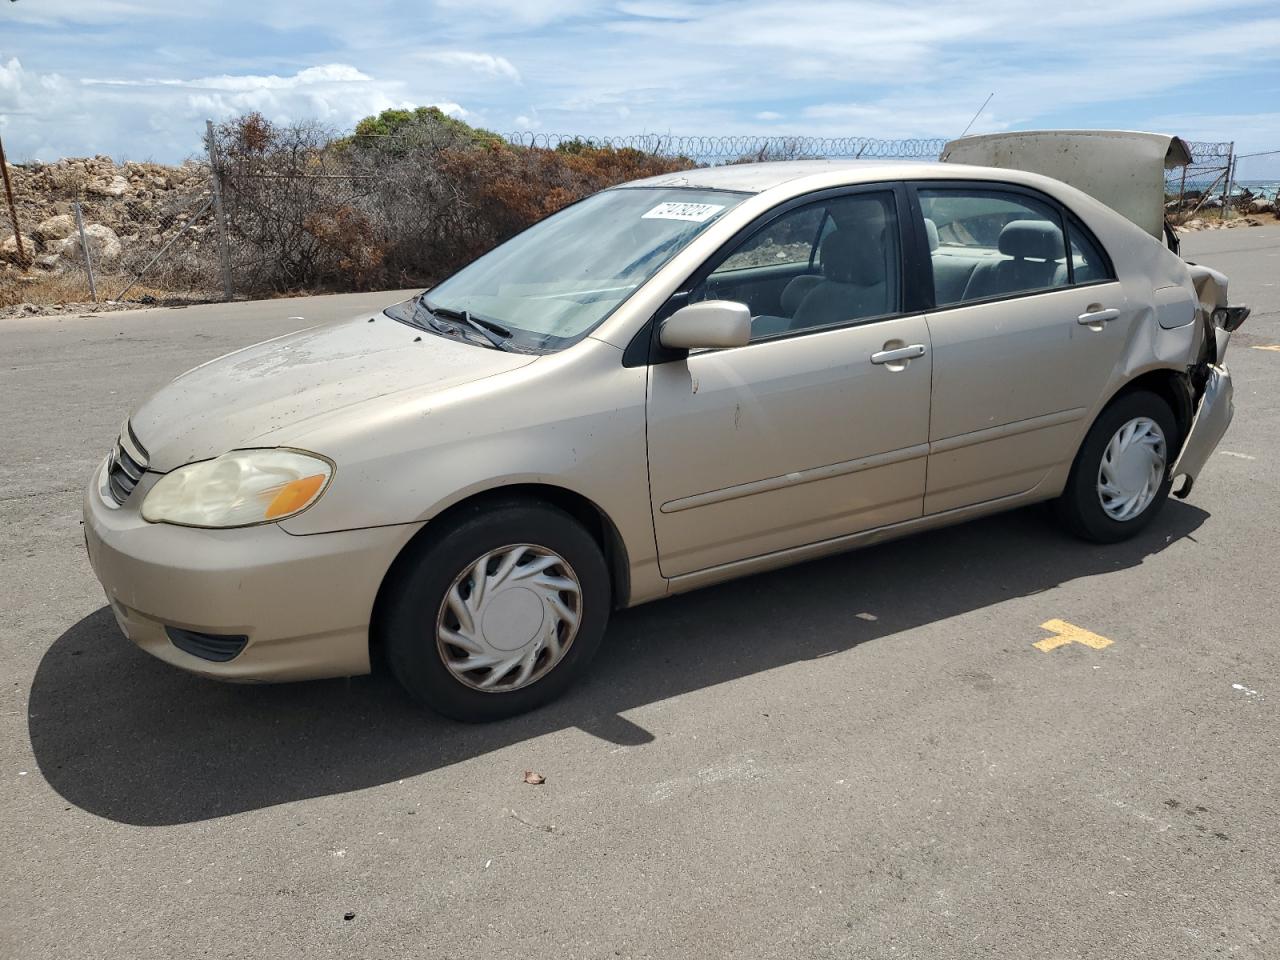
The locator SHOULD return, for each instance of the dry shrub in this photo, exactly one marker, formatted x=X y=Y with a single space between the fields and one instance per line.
x=398 y=209
x=505 y=189
x=347 y=241
x=68 y=181
x=71 y=287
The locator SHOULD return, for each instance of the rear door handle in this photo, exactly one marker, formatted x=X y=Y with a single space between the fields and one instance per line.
x=1097 y=316
x=901 y=353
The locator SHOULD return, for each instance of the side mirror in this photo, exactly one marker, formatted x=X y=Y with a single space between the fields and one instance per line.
x=711 y=323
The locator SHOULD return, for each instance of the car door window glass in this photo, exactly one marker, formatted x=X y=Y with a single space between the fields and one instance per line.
x=844 y=255
x=1088 y=263
x=988 y=243
x=787 y=241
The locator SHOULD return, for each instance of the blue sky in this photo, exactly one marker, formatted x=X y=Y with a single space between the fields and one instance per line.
x=136 y=79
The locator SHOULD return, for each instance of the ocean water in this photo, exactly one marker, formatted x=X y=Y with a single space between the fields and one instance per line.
x=1259 y=188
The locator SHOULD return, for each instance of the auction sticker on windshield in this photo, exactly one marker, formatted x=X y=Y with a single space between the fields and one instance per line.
x=693 y=212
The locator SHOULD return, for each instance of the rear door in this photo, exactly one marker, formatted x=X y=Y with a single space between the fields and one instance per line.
x=819 y=427
x=1025 y=337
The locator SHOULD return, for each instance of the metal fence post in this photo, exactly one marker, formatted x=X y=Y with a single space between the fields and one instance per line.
x=88 y=256
x=13 y=210
x=1226 y=183
x=220 y=215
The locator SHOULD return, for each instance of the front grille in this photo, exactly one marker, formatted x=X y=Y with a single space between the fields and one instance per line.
x=129 y=462
x=207 y=646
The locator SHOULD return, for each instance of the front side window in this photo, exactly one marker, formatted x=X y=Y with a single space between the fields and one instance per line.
x=788 y=241
x=988 y=243
x=552 y=284
x=823 y=264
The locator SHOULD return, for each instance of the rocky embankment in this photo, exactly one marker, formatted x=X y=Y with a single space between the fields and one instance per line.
x=1207 y=215
x=128 y=209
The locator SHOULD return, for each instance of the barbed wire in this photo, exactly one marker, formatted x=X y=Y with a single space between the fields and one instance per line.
x=710 y=148
x=1206 y=151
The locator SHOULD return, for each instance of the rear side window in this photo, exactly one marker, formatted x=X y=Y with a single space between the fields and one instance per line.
x=1088 y=263
x=988 y=244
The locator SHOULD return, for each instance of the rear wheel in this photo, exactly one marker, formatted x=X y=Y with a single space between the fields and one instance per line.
x=498 y=613
x=1119 y=480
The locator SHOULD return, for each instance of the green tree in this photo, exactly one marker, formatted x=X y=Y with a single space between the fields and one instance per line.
x=427 y=123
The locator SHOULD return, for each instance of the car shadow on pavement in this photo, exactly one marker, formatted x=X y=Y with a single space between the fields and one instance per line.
x=129 y=738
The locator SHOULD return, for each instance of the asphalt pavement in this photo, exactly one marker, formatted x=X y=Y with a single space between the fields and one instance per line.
x=867 y=756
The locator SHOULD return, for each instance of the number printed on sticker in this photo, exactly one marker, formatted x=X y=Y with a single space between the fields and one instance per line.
x=693 y=212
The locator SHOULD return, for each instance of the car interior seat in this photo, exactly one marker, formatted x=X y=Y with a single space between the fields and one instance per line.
x=853 y=282
x=1035 y=255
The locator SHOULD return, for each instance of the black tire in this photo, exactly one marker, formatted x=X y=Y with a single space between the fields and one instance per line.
x=1080 y=507
x=417 y=586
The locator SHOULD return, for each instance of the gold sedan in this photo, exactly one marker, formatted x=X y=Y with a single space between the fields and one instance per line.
x=669 y=384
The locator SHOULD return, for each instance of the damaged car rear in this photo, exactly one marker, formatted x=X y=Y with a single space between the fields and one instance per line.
x=1125 y=170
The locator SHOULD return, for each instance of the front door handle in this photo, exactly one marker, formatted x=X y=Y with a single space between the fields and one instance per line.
x=1094 y=317
x=912 y=352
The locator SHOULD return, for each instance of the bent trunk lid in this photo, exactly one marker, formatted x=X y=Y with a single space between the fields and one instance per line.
x=1121 y=168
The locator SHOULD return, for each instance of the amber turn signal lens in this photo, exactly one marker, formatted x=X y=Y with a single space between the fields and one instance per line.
x=294 y=496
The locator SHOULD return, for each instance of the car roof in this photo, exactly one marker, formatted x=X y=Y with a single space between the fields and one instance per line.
x=759 y=177
x=777 y=181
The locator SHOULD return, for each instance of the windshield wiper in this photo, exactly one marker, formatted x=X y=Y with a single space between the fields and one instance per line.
x=494 y=332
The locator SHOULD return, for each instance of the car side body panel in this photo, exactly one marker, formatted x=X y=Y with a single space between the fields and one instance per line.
x=1013 y=379
x=522 y=426
x=409 y=461
x=786 y=442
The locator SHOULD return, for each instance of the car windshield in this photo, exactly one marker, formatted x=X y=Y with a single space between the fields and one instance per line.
x=550 y=285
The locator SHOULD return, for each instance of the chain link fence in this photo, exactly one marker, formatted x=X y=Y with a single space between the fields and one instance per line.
x=1202 y=184
x=93 y=230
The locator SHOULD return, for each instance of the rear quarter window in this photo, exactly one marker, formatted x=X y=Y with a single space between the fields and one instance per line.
x=1089 y=263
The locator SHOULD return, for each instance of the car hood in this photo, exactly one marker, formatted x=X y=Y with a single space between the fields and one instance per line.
x=265 y=390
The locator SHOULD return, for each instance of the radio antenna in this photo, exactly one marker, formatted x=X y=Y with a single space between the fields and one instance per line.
x=978 y=114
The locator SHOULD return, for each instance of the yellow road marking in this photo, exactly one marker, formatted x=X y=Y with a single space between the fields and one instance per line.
x=1267 y=346
x=1068 y=633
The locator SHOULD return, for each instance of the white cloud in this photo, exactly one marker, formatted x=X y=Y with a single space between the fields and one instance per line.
x=25 y=93
x=162 y=116
x=768 y=115
x=485 y=63
x=333 y=73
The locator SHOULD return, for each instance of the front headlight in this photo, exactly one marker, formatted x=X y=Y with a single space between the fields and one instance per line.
x=238 y=489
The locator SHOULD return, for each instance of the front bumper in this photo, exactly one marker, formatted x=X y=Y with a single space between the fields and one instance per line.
x=303 y=602
x=1213 y=416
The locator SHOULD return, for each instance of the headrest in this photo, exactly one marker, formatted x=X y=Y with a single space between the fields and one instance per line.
x=853 y=256
x=859 y=213
x=931 y=230
x=1037 y=239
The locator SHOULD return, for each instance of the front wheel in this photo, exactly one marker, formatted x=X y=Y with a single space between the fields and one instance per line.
x=1119 y=480
x=498 y=613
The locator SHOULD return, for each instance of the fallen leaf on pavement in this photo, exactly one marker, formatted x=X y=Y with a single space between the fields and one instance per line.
x=534 y=778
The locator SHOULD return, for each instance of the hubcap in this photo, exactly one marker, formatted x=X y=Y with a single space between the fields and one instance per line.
x=1132 y=469
x=509 y=617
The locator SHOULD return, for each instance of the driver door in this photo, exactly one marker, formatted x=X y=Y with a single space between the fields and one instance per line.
x=816 y=429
